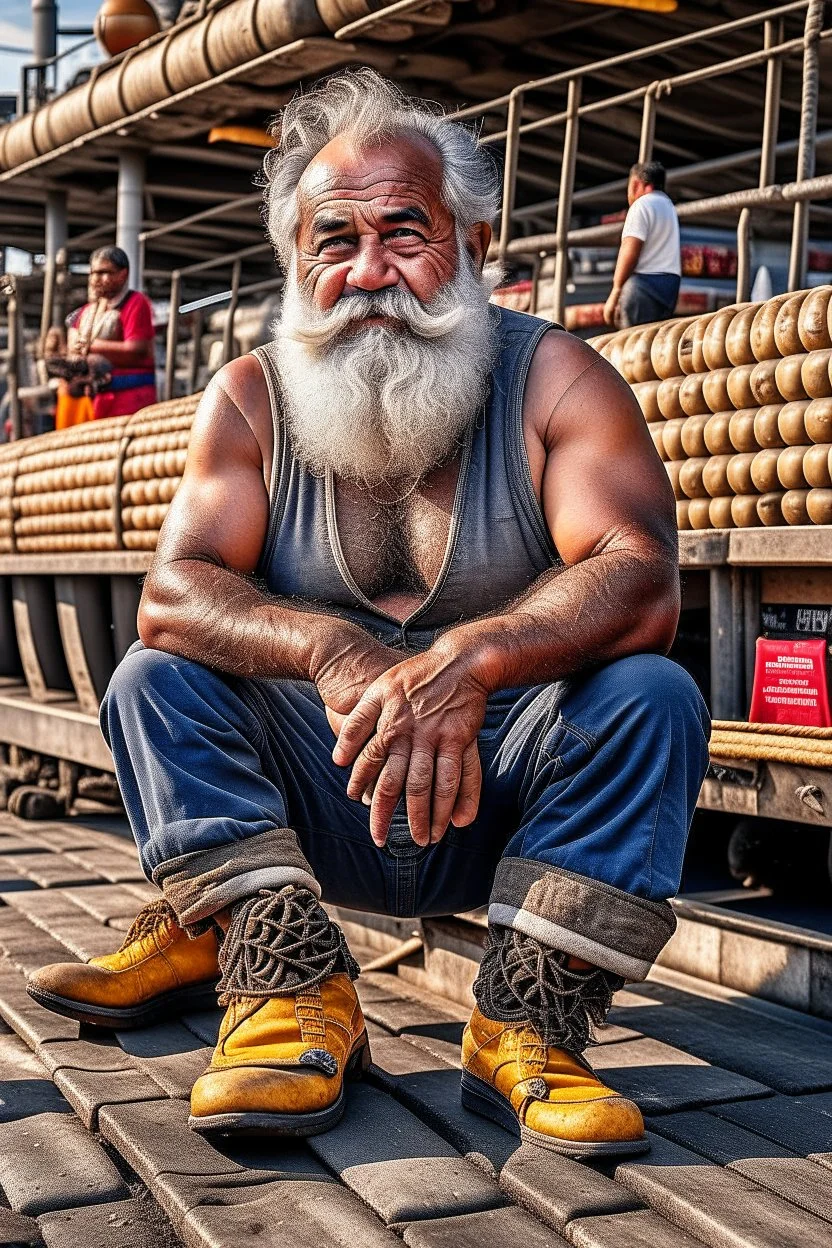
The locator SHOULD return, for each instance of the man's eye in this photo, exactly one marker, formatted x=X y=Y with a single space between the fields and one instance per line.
x=404 y=232
x=330 y=244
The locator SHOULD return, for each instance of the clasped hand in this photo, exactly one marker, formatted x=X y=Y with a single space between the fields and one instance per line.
x=413 y=731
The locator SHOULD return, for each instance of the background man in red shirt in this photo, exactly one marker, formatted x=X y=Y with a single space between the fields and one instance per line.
x=117 y=324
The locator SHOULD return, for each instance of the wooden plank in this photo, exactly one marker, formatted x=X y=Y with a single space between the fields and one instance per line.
x=58 y=729
x=102 y=563
x=707 y=549
x=777 y=791
x=801 y=546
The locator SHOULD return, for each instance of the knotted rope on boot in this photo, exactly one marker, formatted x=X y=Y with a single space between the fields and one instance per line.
x=280 y=943
x=521 y=981
x=148 y=920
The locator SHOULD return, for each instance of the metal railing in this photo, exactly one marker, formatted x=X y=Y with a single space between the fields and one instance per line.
x=774 y=49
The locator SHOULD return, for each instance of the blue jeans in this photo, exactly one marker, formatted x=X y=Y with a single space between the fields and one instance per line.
x=647 y=297
x=589 y=787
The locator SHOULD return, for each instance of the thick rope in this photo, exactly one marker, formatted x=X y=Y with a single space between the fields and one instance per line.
x=521 y=981
x=772 y=750
x=278 y=944
x=772 y=730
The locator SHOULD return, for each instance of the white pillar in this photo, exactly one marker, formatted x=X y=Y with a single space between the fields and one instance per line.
x=54 y=241
x=130 y=210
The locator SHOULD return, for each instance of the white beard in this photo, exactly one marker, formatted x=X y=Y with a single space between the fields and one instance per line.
x=375 y=403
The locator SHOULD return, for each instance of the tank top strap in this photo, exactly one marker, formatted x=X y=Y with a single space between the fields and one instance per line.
x=281 y=454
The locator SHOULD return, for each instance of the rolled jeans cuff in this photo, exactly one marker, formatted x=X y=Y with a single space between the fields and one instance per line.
x=197 y=885
x=580 y=916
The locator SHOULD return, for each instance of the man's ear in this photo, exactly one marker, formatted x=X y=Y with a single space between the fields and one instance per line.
x=478 y=240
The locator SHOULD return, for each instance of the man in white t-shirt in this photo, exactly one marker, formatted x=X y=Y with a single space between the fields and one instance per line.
x=649 y=266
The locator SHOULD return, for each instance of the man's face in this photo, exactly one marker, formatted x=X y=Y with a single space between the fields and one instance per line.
x=371 y=220
x=636 y=188
x=106 y=279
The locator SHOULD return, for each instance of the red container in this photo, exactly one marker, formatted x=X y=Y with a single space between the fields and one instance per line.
x=790 y=684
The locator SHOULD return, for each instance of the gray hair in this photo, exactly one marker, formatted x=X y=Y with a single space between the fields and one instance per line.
x=113 y=255
x=370 y=109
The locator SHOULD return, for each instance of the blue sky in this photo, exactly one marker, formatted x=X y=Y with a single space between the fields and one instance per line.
x=16 y=30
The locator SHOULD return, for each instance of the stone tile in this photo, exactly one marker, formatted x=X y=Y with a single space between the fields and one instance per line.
x=508 y=1227
x=87 y=1091
x=24 y=1087
x=41 y=903
x=121 y=1224
x=430 y=1088
x=820 y=982
x=169 y=1053
x=642 y=1229
x=17 y=845
x=766 y=968
x=16 y=1228
x=794 y=1178
x=31 y=1021
x=26 y=946
x=695 y=949
x=52 y=870
x=143 y=892
x=447 y=1051
x=106 y=902
x=205 y=1024
x=776 y=1055
x=305 y=1215
x=94 y=1053
x=787 y=1121
x=108 y=864
x=660 y=1078
x=557 y=1189
x=276 y=1161
x=154 y=1138
x=82 y=935
x=400 y=1009
x=718 y=1206
x=50 y=1162
x=397 y=1165
x=67 y=835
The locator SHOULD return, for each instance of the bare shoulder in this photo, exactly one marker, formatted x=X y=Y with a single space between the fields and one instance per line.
x=237 y=399
x=565 y=377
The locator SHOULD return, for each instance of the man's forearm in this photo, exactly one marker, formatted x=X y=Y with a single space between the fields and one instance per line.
x=214 y=616
x=121 y=354
x=603 y=608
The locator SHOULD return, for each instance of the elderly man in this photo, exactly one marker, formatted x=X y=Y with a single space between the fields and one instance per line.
x=402 y=650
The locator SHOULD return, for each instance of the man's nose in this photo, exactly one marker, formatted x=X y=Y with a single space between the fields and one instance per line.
x=371 y=269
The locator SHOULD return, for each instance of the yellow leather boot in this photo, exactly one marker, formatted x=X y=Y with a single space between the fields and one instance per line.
x=157 y=972
x=554 y=1098
x=293 y=1030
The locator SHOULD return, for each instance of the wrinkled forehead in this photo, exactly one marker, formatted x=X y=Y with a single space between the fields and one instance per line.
x=407 y=168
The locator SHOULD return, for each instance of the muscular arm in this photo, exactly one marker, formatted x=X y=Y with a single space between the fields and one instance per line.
x=609 y=508
x=123 y=354
x=625 y=266
x=199 y=599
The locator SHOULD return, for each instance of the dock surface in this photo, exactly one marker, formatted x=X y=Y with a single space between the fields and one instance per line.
x=95 y=1150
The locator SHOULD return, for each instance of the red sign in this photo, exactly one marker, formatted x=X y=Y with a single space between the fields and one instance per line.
x=790 y=685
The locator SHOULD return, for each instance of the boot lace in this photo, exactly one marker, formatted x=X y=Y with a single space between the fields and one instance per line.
x=148 y=920
x=521 y=981
x=281 y=943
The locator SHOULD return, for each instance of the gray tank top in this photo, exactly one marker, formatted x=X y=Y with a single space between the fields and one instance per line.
x=498 y=541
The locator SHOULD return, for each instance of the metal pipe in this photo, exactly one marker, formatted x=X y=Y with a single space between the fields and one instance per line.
x=55 y=241
x=624 y=58
x=567 y=185
x=216 y=262
x=173 y=332
x=515 y=114
x=130 y=209
x=808 y=131
x=217 y=211
x=228 y=328
x=755 y=197
x=13 y=362
x=648 y=126
x=196 y=353
x=744 y=255
x=771 y=107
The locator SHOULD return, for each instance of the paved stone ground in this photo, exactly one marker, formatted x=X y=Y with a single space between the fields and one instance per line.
x=95 y=1149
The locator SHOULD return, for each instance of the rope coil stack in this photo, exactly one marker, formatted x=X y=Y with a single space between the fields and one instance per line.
x=739 y=405
x=106 y=485
x=798 y=745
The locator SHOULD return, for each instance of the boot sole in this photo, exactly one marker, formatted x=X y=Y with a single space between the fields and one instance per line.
x=482 y=1099
x=252 y=1123
x=125 y=1018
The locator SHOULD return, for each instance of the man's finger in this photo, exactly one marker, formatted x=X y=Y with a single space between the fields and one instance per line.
x=470 y=787
x=447 y=775
x=366 y=768
x=359 y=727
x=388 y=790
x=419 y=788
